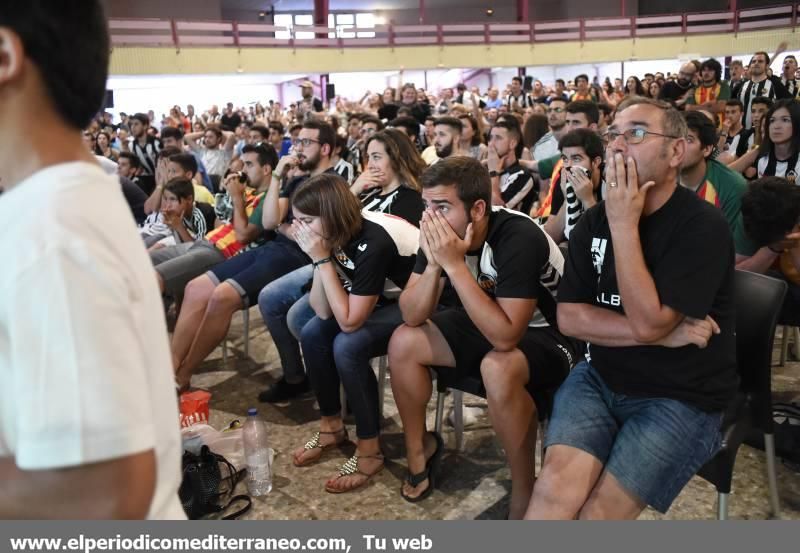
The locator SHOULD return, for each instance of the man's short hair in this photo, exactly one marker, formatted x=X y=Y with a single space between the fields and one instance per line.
x=561 y=81
x=735 y=102
x=468 y=175
x=761 y=100
x=517 y=78
x=700 y=124
x=770 y=209
x=295 y=127
x=172 y=132
x=736 y=63
x=187 y=162
x=714 y=65
x=262 y=130
x=789 y=57
x=181 y=187
x=583 y=138
x=143 y=118
x=372 y=119
x=587 y=107
x=74 y=76
x=674 y=124
x=409 y=123
x=452 y=122
x=326 y=133
x=266 y=153
x=276 y=126
x=215 y=129
x=583 y=76
x=133 y=159
x=766 y=56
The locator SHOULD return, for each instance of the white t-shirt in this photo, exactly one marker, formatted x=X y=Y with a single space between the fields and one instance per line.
x=546 y=147
x=216 y=160
x=85 y=366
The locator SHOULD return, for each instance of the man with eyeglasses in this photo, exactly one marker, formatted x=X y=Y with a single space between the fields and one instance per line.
x=547 y=146
x=759 y=84
x=648 y=284
x=677 y=92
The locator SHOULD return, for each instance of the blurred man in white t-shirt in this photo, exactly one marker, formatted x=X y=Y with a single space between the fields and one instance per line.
x=88 y=410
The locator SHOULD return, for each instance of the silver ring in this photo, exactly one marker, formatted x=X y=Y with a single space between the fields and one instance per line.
x=612 y=184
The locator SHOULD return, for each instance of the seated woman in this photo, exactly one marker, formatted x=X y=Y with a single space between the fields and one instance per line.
x=389 y=185
x=356 y=255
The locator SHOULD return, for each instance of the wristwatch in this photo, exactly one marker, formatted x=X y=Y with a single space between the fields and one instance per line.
x=493 y=173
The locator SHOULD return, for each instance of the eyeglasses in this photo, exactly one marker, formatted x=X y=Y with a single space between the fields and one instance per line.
x=555 y=110
x=633 y=136
x=305 y=142
x=367 y=131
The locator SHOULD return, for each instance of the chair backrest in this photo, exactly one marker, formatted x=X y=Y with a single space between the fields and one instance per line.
x=758 y=299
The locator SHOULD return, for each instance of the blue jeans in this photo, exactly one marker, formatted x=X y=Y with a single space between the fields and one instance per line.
x=285 y=310
x=652 y=445
x=333 y=356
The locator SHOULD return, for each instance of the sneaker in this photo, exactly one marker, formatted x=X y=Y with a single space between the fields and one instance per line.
x=283 y=391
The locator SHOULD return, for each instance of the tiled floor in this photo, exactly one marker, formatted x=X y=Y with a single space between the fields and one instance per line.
x=475 y=483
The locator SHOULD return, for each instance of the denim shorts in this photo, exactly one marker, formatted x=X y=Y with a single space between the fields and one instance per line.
x=652 y=446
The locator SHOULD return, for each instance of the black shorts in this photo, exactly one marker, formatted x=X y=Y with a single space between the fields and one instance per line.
x=550 y=354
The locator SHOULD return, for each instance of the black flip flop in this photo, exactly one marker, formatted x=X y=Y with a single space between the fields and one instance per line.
x=430 y=472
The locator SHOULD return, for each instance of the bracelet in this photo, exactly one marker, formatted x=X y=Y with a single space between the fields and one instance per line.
x=321 y=262
x=779 y=252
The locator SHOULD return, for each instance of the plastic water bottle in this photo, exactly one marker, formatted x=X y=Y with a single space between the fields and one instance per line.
x=257 y=455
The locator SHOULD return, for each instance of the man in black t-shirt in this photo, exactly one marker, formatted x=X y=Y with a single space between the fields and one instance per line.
x=496 y=273
x=677 y=92
x=648 y=283
x=512 y=185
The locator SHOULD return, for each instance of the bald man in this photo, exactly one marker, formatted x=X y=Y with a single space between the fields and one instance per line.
x=678 y=92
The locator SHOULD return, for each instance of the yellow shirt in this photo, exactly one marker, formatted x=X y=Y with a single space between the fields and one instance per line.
x=201 y=194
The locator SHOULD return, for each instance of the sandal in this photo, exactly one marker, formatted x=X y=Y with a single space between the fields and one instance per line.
x=350 y=467
x=431 y=468
x=314 y=443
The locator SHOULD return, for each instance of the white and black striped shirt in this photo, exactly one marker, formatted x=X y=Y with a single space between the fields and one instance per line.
x=770 y=87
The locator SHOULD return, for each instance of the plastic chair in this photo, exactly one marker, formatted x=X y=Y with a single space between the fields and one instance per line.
x=758 y=301
x=246 y=323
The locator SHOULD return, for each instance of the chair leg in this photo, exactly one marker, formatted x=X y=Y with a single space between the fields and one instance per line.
x=439 y=412
x=225 y=350
x=784 y=345
x=772 y=479
x=458 y=417
x=382 y=364
x=796 y=340
x=246 y=318
x=722 y=506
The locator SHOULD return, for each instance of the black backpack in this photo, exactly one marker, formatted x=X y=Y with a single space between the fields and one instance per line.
x=200 y=488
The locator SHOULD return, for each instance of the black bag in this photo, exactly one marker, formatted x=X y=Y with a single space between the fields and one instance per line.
x=200 y=488
x=787 y=433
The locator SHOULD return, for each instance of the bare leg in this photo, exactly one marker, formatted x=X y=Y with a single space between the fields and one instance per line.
x=411 y=351
x=513 y=416
x=567 y=479
x=610 y=501
x=224 y=302
x=195 y=302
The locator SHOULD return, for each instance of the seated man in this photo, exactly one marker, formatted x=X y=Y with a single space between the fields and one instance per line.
x=498 y=272
x=711 y=180
x=581 y=180
x=648 y=283
x=188 y=224
x=176 y=265
x=771 y=213
x=512 y=186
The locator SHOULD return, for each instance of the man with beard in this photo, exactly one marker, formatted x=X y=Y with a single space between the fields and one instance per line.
x=512 y=186
x=211 y=299
x=678 y=92
x=712 y=92
x=446 y=137
x=759 y=84
x=547 y=146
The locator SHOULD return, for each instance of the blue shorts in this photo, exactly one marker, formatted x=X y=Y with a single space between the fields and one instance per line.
x=652 y=446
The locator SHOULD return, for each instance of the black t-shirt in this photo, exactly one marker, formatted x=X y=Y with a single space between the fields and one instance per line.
x=379 y=260
x=517 y=260
x=688 y=250
x=136 y=198
x=672 y=91
x=514 y=181
x=388 y=112
x=403 y=202
x=230 y=122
